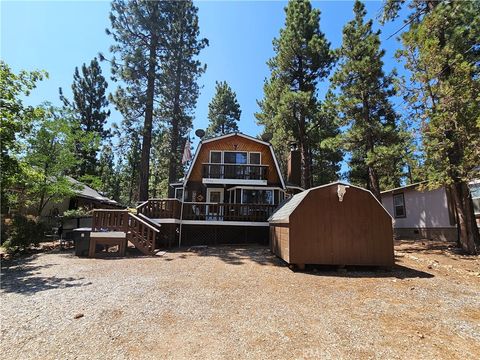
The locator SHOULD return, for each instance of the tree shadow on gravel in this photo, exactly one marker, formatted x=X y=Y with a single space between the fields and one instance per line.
x=234 y=255
x=428 y=247
x=22 y=277
x=396 y=271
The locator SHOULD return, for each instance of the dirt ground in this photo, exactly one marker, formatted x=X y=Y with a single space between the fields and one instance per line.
x=240 y=302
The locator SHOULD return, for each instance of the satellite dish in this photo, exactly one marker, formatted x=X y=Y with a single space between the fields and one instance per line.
x=267 y=136
x=200 y=133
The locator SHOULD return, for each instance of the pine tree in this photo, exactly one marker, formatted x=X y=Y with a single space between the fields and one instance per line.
x=303 y=57
x=326 y=150
x=159 y=163
x=373 y=136
x=440 y=49
x=179 y=72
x=138 y=28
x=108 y=174
x=90 y=108
x=223 y=111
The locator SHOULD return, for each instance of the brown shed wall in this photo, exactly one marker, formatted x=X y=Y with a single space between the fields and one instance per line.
x=279 y=241
x=323 y=230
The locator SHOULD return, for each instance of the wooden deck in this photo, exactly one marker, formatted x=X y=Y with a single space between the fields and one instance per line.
x=202 y=211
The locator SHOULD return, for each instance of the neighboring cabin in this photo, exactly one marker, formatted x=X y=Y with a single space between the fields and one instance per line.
x=85 y=197
x=425 y=214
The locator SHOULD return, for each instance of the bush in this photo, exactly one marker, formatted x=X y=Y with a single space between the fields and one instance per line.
x=75 y=213
x=21 y=233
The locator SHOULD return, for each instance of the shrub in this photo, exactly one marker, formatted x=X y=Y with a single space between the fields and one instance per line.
x=21 y=233
x=74 y=213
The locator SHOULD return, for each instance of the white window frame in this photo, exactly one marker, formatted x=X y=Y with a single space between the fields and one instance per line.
x=234 y=151
x=255 y=152
x=216 y=151
x=258 y=189
x=177 y=189
x=402 y=195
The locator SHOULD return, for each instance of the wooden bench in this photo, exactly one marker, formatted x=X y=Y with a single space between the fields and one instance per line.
x=106 y=240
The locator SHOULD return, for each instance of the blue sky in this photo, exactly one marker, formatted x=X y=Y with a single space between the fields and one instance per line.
x=57 y=36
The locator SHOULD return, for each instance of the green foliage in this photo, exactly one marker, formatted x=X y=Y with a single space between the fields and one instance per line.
x=16 y=120
x=440 y=49
x=89 y=107
x=442 y=55
x=75 y=213
x=223 y=111
x=374 y=138
x=180 y=70
x=22 y=233
x=157 y=44
x=290 y=109
x=48 y=156
x=159 y=163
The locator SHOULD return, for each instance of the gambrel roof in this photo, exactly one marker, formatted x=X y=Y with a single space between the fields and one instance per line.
x=231 y=135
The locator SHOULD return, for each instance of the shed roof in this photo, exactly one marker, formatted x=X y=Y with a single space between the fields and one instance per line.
x=285 y=209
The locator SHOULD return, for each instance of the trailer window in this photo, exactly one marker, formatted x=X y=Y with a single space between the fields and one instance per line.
x=399 y=205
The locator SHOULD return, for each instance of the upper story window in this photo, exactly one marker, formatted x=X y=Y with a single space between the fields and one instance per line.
x=216 y=157
x=235 y=157
x=399 y=206
x=254 y=158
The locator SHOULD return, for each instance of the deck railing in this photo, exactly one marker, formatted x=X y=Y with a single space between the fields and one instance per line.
x=142 y=234
x=227 y=212
x=235 y=171
x=170 y=209
x=110 y=220
x=160 y=208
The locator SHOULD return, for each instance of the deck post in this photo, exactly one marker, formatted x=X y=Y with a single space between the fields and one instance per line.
x=181 y=213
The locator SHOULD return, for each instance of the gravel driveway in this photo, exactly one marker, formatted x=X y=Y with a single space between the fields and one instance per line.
x=238 y=303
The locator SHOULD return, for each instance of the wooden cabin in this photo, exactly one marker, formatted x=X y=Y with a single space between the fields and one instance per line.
x=232 y=187
x=334 y=224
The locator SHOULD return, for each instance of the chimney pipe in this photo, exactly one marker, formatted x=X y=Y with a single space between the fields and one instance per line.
x=294 y=164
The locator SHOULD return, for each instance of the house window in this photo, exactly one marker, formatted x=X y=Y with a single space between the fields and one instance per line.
x=254 y=158
x=257 y=196
x=399 y=206
x=178 y=193
x=216 y=157
x=235 y=157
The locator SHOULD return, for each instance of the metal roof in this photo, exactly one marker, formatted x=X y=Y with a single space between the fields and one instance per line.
x=87 y=192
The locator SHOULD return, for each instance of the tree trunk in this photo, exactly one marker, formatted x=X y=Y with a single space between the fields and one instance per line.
x=373 y=183
x=147 y=126
x=468 y=229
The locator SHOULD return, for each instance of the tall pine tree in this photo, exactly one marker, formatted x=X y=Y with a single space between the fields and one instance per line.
x=89 y=106
x=373 y=137
x=290 y=108
x=440 y=49
x=223 y=111
x=179 y=72
x=138 y=28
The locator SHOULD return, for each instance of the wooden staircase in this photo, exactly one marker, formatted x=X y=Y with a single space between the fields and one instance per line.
x=139 y=229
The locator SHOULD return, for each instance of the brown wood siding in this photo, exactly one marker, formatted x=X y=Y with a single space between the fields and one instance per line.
x=242 y=144
x=279 y=241
x=323 y=230
x=356 y=231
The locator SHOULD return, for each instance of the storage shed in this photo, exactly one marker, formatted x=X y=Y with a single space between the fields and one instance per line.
x=333 y=224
